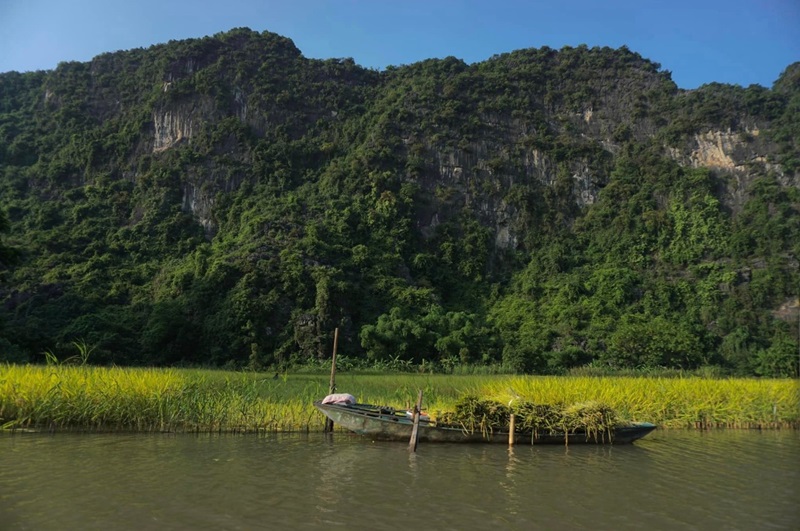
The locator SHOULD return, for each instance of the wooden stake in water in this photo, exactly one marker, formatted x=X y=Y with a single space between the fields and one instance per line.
x=412 y=444
x=332 y=388
x=511 y=419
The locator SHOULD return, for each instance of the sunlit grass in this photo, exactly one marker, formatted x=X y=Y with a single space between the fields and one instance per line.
x=56 y=397
x=137 y=399
x=670 y=402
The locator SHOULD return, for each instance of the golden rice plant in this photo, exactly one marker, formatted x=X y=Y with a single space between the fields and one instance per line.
x=668 y=402
x=134 y=399
x=142 y=399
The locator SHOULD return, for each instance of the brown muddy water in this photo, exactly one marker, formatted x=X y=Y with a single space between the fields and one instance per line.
x=735 y=479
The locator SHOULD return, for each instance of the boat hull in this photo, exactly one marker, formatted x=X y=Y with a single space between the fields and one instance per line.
x=372 y=422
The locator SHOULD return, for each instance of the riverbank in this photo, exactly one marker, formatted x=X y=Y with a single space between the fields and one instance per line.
x=60 y=397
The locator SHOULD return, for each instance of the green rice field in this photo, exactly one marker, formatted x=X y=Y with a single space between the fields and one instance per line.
x=82 y=397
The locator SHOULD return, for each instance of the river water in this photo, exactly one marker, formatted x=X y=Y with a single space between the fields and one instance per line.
x=733 y=479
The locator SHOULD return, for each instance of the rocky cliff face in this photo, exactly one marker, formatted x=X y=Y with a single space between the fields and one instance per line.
x=172 y=126
x=738 y=157
x=574 y=112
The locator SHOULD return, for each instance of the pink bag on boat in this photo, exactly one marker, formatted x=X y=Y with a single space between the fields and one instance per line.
x=339 y=398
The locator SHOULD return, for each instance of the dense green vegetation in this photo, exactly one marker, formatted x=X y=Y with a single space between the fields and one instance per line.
x=227 y=201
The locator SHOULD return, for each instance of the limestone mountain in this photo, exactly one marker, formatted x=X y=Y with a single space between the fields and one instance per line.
x=227 y=200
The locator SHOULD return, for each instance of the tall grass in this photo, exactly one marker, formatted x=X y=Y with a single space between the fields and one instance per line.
x=670 y=402
x=83 y=397
x=133 y=399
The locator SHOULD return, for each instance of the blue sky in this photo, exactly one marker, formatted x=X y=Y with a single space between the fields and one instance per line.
x=700 y=41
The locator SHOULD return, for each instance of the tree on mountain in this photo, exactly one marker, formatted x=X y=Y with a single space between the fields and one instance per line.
x=8 y=255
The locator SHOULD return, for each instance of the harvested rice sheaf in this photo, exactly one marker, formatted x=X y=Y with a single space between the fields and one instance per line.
x=486 y=416
x=537 y=418
x=472 y=414
x=596 y=419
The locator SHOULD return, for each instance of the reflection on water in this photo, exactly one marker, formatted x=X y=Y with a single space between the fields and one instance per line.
x=671 y=480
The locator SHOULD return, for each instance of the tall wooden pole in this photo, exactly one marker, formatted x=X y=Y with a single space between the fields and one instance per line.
x=332 y=388
x=412 y=444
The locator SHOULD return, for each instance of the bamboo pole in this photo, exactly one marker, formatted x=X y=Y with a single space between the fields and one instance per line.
x=332 y=388
x=412 y=444
x=511 y=420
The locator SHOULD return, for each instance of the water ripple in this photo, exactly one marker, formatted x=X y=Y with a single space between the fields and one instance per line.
x=671 y=480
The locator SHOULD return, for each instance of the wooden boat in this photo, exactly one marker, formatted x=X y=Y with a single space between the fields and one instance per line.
x=387 y=424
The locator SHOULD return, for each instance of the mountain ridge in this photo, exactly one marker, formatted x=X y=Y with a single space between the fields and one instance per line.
x=403 y=205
